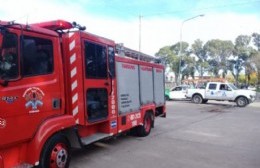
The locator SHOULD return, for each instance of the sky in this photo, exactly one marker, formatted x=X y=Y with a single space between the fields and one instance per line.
x=161 y=20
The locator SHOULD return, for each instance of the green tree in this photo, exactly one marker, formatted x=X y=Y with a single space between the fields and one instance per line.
x=218 y=53
x=185 y=48
x=188 y=69
x=256 y=55
x=171 y=59
x=241 y=58
x=187 y=63
x=256 y=40
x=198 y=50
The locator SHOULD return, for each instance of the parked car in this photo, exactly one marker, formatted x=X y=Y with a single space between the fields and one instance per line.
x=178 y=92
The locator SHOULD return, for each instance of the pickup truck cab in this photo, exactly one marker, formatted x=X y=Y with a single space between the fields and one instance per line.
x=221 y=91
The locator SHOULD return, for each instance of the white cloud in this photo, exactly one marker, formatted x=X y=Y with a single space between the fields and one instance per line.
x=156 y=31
x=159 y=32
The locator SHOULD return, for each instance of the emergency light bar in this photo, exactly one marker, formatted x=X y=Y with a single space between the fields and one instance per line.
x=54 y=25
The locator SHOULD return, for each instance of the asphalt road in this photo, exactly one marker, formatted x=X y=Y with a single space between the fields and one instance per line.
x=212 y=135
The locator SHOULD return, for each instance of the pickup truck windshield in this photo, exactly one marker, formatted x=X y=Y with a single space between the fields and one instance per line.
x=233 y=87
x=8 y=56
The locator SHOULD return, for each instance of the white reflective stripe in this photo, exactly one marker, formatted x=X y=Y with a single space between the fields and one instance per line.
x=73 y=72
x=71 y=34
x=75 y=111
x=74 y=98
x=74 y=85
x=77 y=121
x=72 y=45
x=72 y=58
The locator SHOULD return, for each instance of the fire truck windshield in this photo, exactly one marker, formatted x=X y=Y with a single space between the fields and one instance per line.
x=8 y=56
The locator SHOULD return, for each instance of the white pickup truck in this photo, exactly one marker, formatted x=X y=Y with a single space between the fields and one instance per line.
x=221 y=91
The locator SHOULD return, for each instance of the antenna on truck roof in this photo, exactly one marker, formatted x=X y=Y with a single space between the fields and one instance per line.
x=124 y=51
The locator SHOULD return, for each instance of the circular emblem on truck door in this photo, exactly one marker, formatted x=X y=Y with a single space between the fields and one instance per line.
x=33 y=97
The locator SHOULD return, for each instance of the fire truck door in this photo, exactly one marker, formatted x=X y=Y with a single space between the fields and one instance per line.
x=28 y=99
x=97 y=83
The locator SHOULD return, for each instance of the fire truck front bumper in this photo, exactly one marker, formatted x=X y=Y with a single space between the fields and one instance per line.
x=23 y=165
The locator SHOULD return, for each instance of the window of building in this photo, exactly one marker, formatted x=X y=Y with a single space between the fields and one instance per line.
x=37 y=56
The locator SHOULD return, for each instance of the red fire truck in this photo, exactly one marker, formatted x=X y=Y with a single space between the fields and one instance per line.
x=63 y=88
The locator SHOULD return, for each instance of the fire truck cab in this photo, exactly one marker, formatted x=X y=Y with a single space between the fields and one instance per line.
x=63 y=88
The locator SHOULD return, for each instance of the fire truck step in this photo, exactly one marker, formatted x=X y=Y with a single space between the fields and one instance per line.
x=93 y=138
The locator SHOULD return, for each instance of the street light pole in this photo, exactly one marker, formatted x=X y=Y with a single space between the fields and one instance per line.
x=180 y=51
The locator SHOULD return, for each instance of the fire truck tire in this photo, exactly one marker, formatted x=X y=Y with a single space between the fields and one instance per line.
x=145 y=129
x=56 y=153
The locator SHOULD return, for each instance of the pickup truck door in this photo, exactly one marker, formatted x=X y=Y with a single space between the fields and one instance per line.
x=211 y=91
x=225 y=92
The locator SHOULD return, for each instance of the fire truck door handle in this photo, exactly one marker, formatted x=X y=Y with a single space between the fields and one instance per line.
x=106 y=84
x=56 y=103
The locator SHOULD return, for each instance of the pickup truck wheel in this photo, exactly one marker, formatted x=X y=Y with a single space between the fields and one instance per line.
x=197 y=99
x=241 y=101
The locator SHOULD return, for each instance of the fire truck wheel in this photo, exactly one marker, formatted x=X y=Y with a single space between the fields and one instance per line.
x=145 y=129
x=56 y=153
